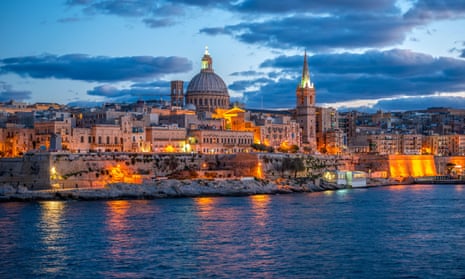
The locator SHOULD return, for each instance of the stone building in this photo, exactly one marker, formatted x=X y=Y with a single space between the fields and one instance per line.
x=167 y=139
x=220 y=141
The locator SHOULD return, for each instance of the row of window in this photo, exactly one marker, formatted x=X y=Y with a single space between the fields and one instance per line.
x=209 y=102
x=213 y=140
x=224 y=150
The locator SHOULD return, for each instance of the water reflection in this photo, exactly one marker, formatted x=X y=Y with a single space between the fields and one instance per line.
x=204 y=206
x=117 y=214
x=52 y=235
x=51 y=215
x=260 y=209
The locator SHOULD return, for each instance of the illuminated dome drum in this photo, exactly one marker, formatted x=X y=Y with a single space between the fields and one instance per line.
x=206 y=90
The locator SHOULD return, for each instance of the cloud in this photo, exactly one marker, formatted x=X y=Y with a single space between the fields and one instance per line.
x=427 y=10
x=155 y=14
x=328 y=25
x=419 y=103
x=318 y=25
x=154 y=84
x=7 y=93
x=68 y=20
x=279 y=7
x=246 y=73
x=157 y=23
x=130 y=8
x=137 y=91
x=85 y=104
x=94 y=68
x=320 y=32
x=344 y=77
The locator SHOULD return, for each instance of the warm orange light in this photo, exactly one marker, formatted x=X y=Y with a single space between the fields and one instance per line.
x=259 y=172
x=411 y=165
x=121 y=173
x=205 y=206
x=169 y=149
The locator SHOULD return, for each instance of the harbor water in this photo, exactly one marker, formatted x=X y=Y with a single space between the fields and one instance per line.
x=411 y=231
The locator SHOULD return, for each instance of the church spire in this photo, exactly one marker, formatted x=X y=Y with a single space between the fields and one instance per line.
x=207 y=61
x=305 y=82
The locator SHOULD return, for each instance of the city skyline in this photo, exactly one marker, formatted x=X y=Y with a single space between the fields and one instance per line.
x=389 y=55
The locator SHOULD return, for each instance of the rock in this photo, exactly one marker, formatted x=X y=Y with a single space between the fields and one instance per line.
x=163 y=189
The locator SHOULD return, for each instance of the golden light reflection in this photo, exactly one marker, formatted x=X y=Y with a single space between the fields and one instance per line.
x=51 y=230
x=204 y=205
x=117 y=220
x=260 y=209
x=120 y=246
x=52 y=212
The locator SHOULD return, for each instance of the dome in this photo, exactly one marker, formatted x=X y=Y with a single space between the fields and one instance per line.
x=207 y=83
x=206 y=90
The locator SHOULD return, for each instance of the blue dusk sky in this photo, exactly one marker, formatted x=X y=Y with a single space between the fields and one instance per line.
x=365 y=54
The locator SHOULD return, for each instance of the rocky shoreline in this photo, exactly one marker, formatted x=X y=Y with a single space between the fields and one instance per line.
x=166 y=189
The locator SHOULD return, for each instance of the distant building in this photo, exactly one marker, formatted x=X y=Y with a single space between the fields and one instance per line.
x=177 y=93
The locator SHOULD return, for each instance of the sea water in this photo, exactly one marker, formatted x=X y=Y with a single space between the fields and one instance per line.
x=414 y=231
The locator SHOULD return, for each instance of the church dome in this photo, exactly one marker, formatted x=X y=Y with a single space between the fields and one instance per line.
x=206 y=90
x=207 y=82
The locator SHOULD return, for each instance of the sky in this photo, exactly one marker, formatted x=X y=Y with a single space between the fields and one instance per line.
x=364 y=55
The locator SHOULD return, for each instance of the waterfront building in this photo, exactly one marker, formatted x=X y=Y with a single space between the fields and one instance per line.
x=44 y=129
x=81 y=140
x=327 y=120
x=168 y=138
x=106 y=138
x=335 y=142
x=15 y=140
x=305 y=109
x=458 y=145
x=411 y=144
x=206 y=90
x=279 y=132
x=220 y=141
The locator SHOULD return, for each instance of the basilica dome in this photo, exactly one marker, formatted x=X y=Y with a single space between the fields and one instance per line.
x=207 y=82
x=206 y=90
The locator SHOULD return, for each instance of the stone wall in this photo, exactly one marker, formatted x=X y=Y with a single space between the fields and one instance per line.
x=52 y=170
x=31 y=171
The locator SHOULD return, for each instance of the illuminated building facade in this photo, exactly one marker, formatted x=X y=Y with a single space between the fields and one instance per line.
x=220 y=141
x=167 y=139
x=279 y=132
x=328 y=137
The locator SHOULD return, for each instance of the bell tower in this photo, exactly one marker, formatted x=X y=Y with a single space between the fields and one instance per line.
x=305 y=108
x=177 y=93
